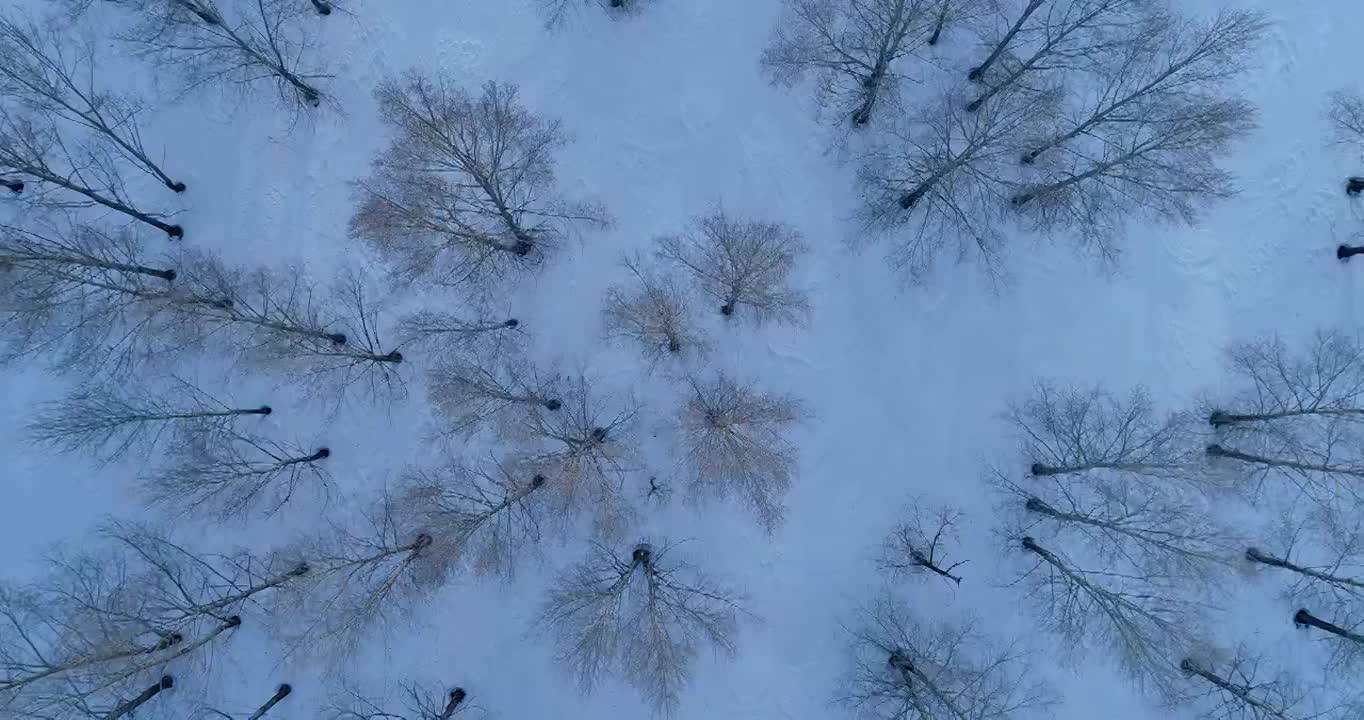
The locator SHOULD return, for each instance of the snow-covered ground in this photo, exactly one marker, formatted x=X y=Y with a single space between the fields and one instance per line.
x=670 y=116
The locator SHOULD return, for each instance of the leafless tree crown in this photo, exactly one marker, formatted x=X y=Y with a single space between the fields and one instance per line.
x=904 y=669
x=1245 y=685
x=924 y=542
x=489 y=384
x=653 y=314
x=465 y=191
x=644 y=615
x=743 y=264
x=246 y=43
x=735 y=443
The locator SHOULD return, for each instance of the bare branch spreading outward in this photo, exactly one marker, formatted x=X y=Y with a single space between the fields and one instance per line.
x=87 y=295
x=251 y=41
x=1323 y=568
x=1346 y=113
x=653 y=313
x=226 y=471
x=445 y=332
x=1079 y=429
x=644 y=616
x=465 y=190
x=557 y=11
x=105 y=625
x=33 y=147
x=359 y=581
x=735 y=444
x=110 y=421
x=1167 y=60
x=923 y=541
x=1161 y=165
x=1145 y=620
x=853 y=47
x=415 y=702
x=586 y=450
x=938 y=184
x=906 y=669
x=1243 y=686
x=488 y=384
x=489 y=516
x=1064 y=36
x=48 y=73
x=1296 y=416
x=744 y=264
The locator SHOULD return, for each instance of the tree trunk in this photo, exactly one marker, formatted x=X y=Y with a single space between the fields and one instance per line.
x=871 y=88
x=1354 y=185
x=174 y=232
x=14 y=186
x=923 y=562
x=979 y=71
x=322 y=7
x=1257 y=555
x=321 y=453
x=281 y=693
x=1220 y=418
x=1303 y=618
x=167 y=275
x=1345 y=252
x=456 y=699
x=1240 y=692
x=167 y=682
x=1219 y=451
x=938 y=24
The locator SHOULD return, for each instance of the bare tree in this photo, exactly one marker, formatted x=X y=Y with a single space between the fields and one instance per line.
x=281 y=692
x=1145 y=620
x=465 y=190
x=418 y=702
x=921 y=543
x=1323 y=562
x=586 y=450
x=87 y=293
x=735 y=443
x=1160 y=165
x=255 y=40
x=948 y=13
x=557 y=11
x=448 y=332
x=359 y=579
x=1296 y=416
x=852 y=46
x=1169 y=60
x=1241 y=687
x=111 y=421
x=489 y=515
x=643 y=616
x=32 y=146
x=1069 y=35
x=1347 y=636
x=232 y=473
x=905 y=669
x=489 y=384
x=653 y=313
x=940 y=181
x=1065 y=430
x=105 y=624
x=49 y=74
x=1345 y=110
x=745 y=264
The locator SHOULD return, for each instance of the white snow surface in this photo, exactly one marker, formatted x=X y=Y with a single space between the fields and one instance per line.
x=669 y=116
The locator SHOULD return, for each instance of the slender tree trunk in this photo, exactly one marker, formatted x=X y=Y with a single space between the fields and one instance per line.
x=1042 y=470
x=871 y=88
x=1220 y=418
x=979 y=71
x=456 y=697
x=1219 y=451
x=1259 y=556
x=281 y=693
x=1303 y=618
x=1345 y=252
x=1354 y=185
x=167 y=275
x=1240 y=692
x=322 y=7
x=923 y=562
x=321 y=453
x=14 y=186
x=938 y=24
x=174 y=232
x=167 y=682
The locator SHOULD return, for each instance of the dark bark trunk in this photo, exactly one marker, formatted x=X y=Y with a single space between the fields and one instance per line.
x=937 y=25
x=456 y=699
x=174 y=232
x=979 y=71
x=167 y=682
x=1345 y=252
x=280 y=693
x=1259 y=556
x=1303 y=618
x=511 y=323
x=1243 y=693
x=927 y=564
x=322 y=7
x=1354 y=185
x=14 y=186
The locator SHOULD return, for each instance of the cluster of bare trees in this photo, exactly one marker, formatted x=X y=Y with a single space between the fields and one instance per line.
x=1116 y=522
x=1081 y=115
